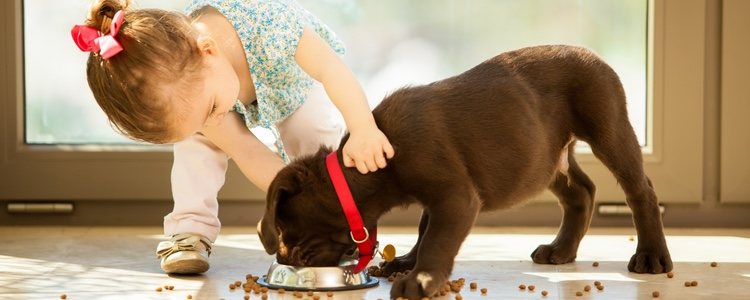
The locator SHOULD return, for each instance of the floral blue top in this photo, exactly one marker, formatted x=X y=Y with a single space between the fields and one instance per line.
x=269 y=31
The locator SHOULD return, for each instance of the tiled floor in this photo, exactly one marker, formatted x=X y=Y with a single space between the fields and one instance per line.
x=118 y=263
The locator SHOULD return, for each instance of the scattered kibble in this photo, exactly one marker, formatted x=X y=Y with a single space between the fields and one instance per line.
x=281 y=291
x=693 y=283
x=579 y=294
x=190 y=296
x=158 y=289
x=522 y=286
x=714 y=264
x=670 y=275
x=458 y=297
x=600 y=287
x=597 y=283
x=595 y=264
x=63 y=296
x=587 y=288
x=484 y=291
x=544 y=293
x=247 y=297
x=687 y=283
x=316 y=297
x=310 y=293
x=655 y=294
x=531 y=288
x=473 y=285
x=232 y=286
x=329 y=294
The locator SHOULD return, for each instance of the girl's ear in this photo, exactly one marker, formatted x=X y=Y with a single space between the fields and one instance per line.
x=207 y=45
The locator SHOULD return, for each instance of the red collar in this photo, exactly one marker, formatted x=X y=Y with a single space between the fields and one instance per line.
x=366 y=242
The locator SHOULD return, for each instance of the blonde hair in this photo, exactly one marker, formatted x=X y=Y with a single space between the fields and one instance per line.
x=159 y=48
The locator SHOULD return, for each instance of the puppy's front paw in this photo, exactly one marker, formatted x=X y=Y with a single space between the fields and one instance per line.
x=417 y=285
x=654 y=262
x=553 y=254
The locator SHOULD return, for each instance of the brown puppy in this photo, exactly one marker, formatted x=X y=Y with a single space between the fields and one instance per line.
x=487 y=139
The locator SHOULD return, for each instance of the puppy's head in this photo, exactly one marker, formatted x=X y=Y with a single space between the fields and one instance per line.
x=304 y=223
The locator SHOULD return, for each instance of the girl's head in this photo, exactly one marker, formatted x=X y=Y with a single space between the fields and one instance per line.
x=160 y=87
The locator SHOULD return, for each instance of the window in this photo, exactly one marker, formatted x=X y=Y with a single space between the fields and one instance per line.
x=390 y=43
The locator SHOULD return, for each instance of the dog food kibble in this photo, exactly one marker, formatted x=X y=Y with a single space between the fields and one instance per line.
x=579 y=294
x=484 y=291
x=63 y=296
x=316 y=297
x=522 y=286
x=687 y=283
x=600 y=287
x=158 y=289
x=531 y=288
x=655 y=294
x=190 y=296
x=281 y=291
x=310 y=293
x=473 y=285
x=247 y=297
x=232 y=286
x=693 y=283
x=544 y=293
x=597 y=283
x=631 y=238
x=458 y=297
x=713 y=264
x=595 y=264
x=587 y=288
x=329 y=294
x=670 y=275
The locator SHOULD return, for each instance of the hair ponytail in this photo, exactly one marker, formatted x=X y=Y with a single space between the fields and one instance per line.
x=101 y=13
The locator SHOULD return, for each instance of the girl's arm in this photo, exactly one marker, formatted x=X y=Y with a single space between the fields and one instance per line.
x=255 y=159
x=367 y=146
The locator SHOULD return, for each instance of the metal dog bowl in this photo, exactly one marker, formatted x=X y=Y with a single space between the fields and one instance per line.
x=296 y=278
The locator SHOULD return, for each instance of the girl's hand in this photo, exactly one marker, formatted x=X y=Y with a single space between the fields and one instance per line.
x=367 y=149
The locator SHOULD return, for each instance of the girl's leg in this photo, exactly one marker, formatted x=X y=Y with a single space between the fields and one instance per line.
x=316 y=123
x=198 y=173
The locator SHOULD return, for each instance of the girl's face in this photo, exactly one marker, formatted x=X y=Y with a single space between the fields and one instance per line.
x=217 y=90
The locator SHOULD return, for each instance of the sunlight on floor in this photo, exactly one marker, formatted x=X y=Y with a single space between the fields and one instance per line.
x=23 y=274
x=580 y=276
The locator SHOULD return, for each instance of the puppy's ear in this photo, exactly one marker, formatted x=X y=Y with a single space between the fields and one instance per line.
x=284 y=186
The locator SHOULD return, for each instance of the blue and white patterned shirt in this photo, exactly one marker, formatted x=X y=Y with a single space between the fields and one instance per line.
x=270 y=31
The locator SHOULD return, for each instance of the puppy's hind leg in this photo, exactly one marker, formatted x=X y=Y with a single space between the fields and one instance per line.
x=576 y=194
x=407 y=261
x=621 y=153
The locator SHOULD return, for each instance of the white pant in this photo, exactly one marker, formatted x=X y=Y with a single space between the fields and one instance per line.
x=199 y=166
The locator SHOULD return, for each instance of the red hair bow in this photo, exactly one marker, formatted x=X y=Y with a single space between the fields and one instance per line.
x=90 y=39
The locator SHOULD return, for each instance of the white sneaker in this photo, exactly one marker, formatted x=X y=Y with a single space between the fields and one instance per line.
x=184 y=253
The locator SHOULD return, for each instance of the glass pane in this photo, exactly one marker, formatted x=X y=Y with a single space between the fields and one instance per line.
x=390 y=43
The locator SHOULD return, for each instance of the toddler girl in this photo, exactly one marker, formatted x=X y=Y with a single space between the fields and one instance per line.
x=202 y=80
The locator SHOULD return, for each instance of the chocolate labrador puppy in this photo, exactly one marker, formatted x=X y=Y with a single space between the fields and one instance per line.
x=487 y=139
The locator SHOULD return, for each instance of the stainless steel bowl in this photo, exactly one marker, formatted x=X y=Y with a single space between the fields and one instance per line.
x=295 y=278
